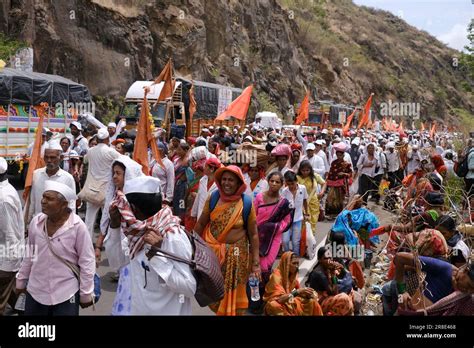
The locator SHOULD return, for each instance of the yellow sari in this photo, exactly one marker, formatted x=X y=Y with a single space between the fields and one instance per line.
x=313 y=200
x=234 y=258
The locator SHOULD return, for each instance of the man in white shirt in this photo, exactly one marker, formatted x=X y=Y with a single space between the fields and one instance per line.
x=393 y=165
x=165 y=175
x=320 y=152
x=12 y=238
x=414 y=160
x=52 y=171
x=159 y=285
x=100 y=159
x=112 y=128
x=316 y=161
x=79 y=143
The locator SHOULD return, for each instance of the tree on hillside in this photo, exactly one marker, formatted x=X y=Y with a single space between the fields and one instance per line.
x=467 y=59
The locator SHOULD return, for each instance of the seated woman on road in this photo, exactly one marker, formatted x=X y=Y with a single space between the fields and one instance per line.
x=234 y=240
x=334 y=285
x=283 y=294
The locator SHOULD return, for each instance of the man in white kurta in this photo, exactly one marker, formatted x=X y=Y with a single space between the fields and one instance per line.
x=317 y=163
x=160 y=286
x=100 y=159
x=12 y=237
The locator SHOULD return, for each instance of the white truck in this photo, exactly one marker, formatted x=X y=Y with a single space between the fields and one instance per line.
x=269 y=120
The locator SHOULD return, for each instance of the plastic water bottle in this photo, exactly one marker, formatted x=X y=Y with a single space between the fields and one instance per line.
x=254 y=291
x=20 y=302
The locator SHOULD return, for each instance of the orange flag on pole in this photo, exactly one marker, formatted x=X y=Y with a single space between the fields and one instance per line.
x=166 y=75
x=345 y=130
x=433 y=130
x=366 y=112
x=422 y=127
x=303 y=112
x=35 y=161
x=145 y=138
x=192 y=103
x=239 y=107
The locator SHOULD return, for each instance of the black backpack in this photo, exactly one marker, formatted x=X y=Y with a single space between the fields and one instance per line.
x=462 y=168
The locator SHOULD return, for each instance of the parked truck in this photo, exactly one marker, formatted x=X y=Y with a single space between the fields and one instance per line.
x=173 y=114
x=21 y=94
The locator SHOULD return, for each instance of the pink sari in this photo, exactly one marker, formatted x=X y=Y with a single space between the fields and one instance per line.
x=266 y=214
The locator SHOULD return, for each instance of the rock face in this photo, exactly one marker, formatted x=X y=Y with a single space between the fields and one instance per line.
x=337 y=49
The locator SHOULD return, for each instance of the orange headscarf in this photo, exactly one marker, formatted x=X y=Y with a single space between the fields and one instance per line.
x=284 y=267
x=236 y=171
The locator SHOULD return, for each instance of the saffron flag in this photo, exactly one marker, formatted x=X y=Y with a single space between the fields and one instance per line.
x=433 y=130
x=35 y=161
x=145 y=138
x=422 y=127
x=345 y=130
x=166 y=75
x=239 y=107
x=366 y=112
x=192 y=103
x=303 y=112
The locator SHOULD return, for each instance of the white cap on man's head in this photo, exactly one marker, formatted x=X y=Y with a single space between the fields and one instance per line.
x=356 y=141
x=67 y=192
x=112 y=124
x=102 y=134
x=142 y=184
x=76 y=124
x=53 y=145
x=310 y=146
x=324 y=131
x=3 y=165
x=319 y=142
x=390 y=145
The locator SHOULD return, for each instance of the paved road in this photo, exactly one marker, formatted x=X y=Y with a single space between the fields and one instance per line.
x=109 y=287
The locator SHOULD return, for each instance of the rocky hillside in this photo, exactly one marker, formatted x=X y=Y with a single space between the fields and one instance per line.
x=341 y=51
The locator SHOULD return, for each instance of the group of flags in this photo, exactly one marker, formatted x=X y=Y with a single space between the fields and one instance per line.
x=237 y=109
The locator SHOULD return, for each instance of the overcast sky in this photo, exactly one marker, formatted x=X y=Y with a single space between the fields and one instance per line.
x=445 y=19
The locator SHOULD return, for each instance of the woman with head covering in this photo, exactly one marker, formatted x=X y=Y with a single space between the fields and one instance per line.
x=228 y=225
x=123 y=169
x=183 y=175
x=295 y=159
x=282 y=153
x=273 y=219
x=283 y=294
x=193 y=188
x=339 y=179
x=255 y=180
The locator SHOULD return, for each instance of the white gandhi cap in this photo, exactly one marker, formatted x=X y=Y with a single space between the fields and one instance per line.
x=68 y=193
x=142 y=184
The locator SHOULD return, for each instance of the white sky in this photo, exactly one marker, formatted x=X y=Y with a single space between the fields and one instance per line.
x=447 y=20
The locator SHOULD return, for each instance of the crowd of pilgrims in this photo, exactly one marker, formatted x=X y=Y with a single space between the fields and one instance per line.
x=255 y=216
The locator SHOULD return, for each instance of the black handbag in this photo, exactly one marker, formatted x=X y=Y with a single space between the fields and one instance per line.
x=206 y=269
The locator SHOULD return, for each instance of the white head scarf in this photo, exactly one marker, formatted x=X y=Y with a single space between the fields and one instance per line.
x=132 y=170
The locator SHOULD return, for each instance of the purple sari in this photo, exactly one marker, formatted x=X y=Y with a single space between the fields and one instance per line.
x=272 y=220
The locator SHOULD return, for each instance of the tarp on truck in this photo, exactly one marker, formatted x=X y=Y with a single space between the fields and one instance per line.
x=32 y=88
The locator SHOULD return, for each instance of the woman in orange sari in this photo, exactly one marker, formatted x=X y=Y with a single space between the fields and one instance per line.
x=234 y=242
x=283 y=294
